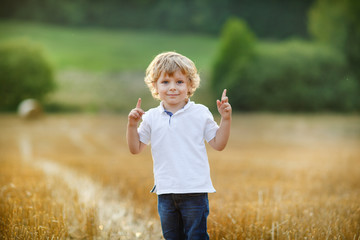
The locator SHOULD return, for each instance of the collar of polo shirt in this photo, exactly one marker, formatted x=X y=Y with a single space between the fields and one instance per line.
x=163 y=110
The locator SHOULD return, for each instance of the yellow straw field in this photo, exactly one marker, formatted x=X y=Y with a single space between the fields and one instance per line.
x=280 y=177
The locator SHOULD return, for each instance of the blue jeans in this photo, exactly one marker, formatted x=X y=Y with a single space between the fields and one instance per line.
x=184 y=216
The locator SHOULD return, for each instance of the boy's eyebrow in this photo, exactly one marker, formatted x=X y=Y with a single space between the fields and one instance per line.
x=181 y=78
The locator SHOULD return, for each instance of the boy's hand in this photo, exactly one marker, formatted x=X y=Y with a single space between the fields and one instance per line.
x=224 y=106
x=135 y=114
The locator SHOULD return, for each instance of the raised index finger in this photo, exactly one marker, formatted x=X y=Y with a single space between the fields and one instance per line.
x=138 y=104
x=223 y=94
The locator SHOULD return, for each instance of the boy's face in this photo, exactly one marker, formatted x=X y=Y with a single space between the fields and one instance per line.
x=173 y=89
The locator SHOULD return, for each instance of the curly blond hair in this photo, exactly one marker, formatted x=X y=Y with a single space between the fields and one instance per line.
x=169 y=63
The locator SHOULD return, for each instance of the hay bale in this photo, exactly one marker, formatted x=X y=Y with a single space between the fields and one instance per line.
x=29 y=109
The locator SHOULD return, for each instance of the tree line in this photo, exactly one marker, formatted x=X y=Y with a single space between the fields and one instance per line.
x=291 y=75
x=275 y=19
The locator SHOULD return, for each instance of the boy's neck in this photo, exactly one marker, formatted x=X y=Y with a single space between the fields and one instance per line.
x=174 y=108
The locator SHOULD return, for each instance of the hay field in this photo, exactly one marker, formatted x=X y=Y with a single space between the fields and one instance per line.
x=281 y=177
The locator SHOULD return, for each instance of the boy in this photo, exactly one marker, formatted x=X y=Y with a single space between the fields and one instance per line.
x=176 y=130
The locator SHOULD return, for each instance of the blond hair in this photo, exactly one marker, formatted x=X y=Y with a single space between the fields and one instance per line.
x=169 y=63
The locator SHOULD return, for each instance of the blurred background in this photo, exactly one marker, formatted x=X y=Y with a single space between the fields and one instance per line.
x=291 y=68
x=91 y=56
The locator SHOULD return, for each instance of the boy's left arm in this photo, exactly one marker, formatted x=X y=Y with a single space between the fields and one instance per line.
x=222 y=135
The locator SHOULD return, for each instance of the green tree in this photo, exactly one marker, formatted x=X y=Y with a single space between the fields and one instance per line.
x=237 y=44
x=24 y=73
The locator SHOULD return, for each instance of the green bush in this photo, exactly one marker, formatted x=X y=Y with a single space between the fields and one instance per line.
x=293 y=76
x=24 y=73
x=237 y=46
x=285 y=76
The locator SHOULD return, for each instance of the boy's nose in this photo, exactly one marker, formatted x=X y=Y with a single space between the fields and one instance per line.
x=172 y=87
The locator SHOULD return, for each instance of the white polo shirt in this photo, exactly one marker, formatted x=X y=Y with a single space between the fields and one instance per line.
x=178 y=149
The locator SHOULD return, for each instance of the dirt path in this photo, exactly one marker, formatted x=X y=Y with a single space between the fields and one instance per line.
x=115 y=215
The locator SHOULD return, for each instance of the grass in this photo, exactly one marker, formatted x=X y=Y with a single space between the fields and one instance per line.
x=35 y=207
x=99 y=50
x=280 y=177
x=26 y=209
x=101 y=70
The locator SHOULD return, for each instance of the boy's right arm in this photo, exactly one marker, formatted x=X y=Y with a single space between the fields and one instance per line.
x=132 y=135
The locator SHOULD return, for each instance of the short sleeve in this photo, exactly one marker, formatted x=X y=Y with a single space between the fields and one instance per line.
x=144 y=130
x=211 y=126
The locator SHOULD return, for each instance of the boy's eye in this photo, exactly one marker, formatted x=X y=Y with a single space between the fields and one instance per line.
x=180 y=82
x=165 y=82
